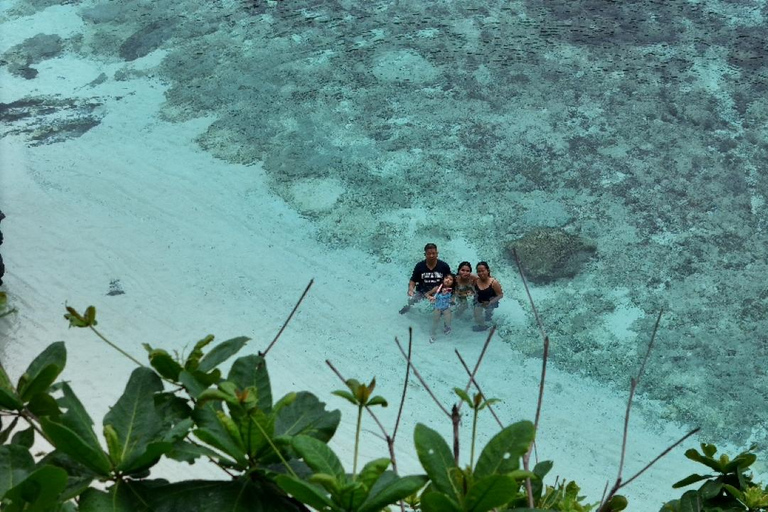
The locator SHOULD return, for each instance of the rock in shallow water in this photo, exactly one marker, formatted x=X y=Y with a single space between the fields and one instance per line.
x=548 y=254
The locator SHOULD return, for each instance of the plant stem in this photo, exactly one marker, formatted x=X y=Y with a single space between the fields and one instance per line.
x=474 y=434
x=357 y=439
x=126 y=354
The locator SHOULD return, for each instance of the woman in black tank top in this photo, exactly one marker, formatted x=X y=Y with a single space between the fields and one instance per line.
x=488 y=293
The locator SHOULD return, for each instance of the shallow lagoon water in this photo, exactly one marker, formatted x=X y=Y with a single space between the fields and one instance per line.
x=640 y=128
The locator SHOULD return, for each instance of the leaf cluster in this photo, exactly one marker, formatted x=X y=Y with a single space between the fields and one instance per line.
x=727 y=488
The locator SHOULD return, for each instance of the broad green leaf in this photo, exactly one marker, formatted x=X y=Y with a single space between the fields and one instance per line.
x=68 y=441
x=164 y=363
x=172 y=409
x=397 y=490
x=502 y=453
x=184 y=451
x=694 y=455
x=10 y=401
x=490 y=492
x=118 y=498
x=251 y=371
x=16 y=463
x=617 y=503
x=436 y=458
x=79 y=477
x=305 y=493
x=221 y=496
x=690 y=479
x=25 y=438
x=710 y=489
x=213 y=431
x=38 y=492
x=43 y=404
x=5 y=380
x=438 y=502
x=743 y=461
x=319 y=456
x=193 y=383
x=307 y=415
x=221 y=353
x=691 y=502
x=372 y=471
x=135 y=420
x=253 y=428
x=42 y=371
x=351 y=495
x=708 y=449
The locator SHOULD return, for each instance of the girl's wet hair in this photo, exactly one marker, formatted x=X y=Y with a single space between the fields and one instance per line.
x=464 y=264
x=483 y=263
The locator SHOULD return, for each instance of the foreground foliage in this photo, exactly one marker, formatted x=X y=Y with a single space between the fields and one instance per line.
x=274 y=453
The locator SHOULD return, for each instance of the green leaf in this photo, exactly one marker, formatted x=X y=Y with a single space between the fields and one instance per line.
x=25 y=438
x=710 y=489
x=743 y=461
x=372 y=471
x=708 y=449
x=43 y=371
x=72 y=433
x=118 y=498
x=346 y=395
x=135 y=421
x=251 y=371
x=436 y=458
x=164 y=363
x=5 y=434
x=307 y=415
x=212 y=430
x=221 y=353
x=305 y=493
x=690 y=479
x=490 y=492
x=253 y=428
x=617 y=503
x=39 y=491
x=16 y=463
x=43 y=404
x=193 y=360
x=502 y=453
x=463 y=395
x=377 y=400
x=10 y=401
x=691 y=502
x=319 y=456
x=438 y=502
x=694 y=455
x=397 y=490
x=351 y=495
x=193 y=384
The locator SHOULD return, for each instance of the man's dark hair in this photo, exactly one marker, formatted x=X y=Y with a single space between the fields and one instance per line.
x=429 y=246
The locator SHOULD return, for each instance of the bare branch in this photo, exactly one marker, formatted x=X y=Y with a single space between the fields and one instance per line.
x=662 y=454
x=285 y=324
x=477 y=385
x=479 y=360
x=405 y=383
x=423 y=382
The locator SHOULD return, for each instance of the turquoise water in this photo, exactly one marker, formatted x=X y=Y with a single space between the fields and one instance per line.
x=640 y=127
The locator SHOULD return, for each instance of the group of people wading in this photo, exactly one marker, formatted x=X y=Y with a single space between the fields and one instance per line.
x=451 y=295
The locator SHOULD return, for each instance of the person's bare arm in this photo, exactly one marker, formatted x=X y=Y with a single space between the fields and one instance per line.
x=411 y=288
x=499 y=292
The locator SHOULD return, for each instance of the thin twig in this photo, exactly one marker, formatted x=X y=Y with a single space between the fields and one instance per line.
x=662 y=454
x=632 y=387
x=477 y=385
x=479 y=360
x=105 y=340
x=405 y=383
x=545 y=357
x=423 y=382
x=285 y=324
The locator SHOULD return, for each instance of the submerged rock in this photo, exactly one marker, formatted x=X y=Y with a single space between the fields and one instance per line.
x=19 y=58
x=551 y=253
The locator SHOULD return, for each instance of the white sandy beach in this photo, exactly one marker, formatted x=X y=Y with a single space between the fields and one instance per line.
x=200 y=246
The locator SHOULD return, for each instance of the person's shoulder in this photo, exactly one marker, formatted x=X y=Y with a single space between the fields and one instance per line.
x=443 y=264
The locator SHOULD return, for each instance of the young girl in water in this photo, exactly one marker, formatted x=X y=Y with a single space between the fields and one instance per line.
x=441 y=296
x=465 y=287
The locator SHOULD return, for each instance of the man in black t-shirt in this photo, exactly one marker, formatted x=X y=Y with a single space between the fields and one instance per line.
x=426 y=275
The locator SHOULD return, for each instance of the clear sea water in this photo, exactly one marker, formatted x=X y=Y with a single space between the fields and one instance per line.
x=640 y=127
